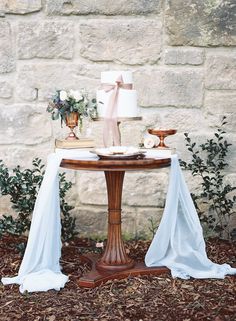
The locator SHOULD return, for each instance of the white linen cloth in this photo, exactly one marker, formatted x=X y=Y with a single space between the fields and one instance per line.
x=178 y=244
x=40 y=269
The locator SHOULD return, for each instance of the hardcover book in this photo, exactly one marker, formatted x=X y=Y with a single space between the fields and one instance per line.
x=78 y=143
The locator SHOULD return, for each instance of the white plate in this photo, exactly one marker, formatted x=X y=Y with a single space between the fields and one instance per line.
x=119 y=152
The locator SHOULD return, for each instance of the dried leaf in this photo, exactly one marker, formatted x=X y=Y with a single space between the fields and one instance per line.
x=143 y=298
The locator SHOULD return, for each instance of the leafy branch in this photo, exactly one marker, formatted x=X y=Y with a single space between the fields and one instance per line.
x=209 y=162
x=22 y=186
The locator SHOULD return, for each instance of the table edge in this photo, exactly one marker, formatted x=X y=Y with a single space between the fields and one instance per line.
x=115 y=165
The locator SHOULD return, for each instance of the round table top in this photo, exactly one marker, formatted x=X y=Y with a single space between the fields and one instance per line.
x=115 y=165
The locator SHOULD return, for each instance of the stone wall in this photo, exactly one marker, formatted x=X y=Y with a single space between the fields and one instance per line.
x=183 y=57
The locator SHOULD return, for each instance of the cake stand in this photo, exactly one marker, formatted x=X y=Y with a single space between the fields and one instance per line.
x=162 y=134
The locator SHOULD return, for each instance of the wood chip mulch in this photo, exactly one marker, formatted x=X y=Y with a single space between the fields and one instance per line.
x=133 y=299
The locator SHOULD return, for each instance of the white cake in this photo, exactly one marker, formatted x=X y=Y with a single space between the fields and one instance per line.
x=127 y=98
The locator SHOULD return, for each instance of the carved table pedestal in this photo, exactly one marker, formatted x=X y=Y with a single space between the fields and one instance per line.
x=115 y=263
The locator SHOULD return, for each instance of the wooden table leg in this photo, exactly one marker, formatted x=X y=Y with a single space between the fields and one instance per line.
x=114 y=263
x=114 y=257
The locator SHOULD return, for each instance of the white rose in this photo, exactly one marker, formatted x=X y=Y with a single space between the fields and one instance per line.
x=149 y=142
x=77 y=95
x=63 y=95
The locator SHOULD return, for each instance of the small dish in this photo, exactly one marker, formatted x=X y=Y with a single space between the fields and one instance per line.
x=119 y=152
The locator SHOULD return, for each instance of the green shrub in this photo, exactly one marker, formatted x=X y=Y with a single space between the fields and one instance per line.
x=153 y=226
x=209 y=162
x=22 y=186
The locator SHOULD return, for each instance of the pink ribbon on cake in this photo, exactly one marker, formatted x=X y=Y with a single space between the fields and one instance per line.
x=110 y=121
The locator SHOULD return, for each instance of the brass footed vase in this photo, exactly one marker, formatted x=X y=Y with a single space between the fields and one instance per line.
x=72 y=122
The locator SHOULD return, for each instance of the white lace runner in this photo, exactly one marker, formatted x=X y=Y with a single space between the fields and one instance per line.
x=178 y=243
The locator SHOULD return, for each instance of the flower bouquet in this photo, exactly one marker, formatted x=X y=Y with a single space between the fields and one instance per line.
x=71 y=107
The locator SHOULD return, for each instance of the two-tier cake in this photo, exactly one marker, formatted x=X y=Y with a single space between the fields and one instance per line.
x=126 y=98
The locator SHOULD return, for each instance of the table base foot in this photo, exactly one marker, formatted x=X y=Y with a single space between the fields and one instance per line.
x=94 y=277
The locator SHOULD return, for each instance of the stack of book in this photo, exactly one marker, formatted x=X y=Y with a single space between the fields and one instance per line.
x=73 y=144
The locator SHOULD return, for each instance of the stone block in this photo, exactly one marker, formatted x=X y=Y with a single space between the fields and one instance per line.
x=6 y=89
x=221 y=70
x=21 y=6
x=2 y=8
x=24 y=124
x=88 y=130
x=231 y=179
x=184 y=120
x=129 y=221
x=48 y=39
x=139 y=189
x=145 y=188
x=232 y=153
x=169 y=87
x=184 y=56
x=7 y=63
x=23 y=155
x=131 y=132
x=91 y=129
x=193 y=182
x=178 y=141
x=122 y=41
x=200 y=138
x=6 y=206
x=145 y=218
x=200 y=22
x=96 y=133
x=218 y=104
x=92 y=188
x=40 y=81
x=91 y=221
x=103 y=7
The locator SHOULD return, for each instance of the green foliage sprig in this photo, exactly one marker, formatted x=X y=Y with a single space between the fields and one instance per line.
x=22 y=186
x=209 y=162
x=153 y=226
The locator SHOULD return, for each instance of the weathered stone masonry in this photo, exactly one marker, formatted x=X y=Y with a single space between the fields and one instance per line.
x=183 y=57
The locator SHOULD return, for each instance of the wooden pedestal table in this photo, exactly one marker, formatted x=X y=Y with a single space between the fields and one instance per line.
x=115 y=263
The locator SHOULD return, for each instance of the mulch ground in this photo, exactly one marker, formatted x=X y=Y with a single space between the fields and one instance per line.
x=133 y=299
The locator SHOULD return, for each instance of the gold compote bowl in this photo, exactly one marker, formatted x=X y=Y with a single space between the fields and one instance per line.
x=162 y=134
